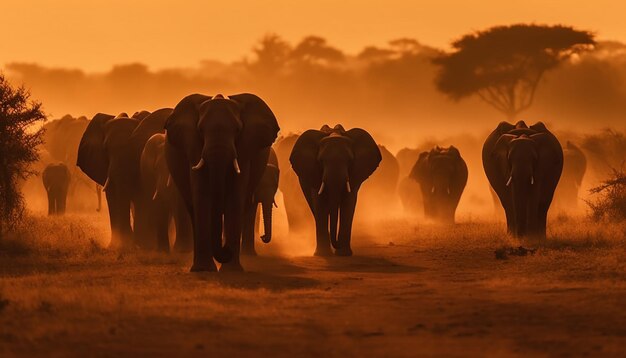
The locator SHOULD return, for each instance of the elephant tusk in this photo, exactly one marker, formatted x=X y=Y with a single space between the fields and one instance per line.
x=199 y=165
x=348 y=186
x=321 y=189
x=155 y=195
x=275 y=205
x=106 y=185
x=169 y=181
x=532 y=180
x=509 y=181
x=236 y=165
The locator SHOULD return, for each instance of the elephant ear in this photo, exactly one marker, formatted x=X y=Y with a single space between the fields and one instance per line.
x=92 y=157
x=551 y=152
x=501 y=149
x=367 y=156
x=303 y=158
x=260 y=127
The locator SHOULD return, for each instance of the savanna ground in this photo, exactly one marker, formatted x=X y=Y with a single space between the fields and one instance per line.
x=410 y=290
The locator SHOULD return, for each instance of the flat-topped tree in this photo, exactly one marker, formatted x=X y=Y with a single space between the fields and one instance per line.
x=504 y=64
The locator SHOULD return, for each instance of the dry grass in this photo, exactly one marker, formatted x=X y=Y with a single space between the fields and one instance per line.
x=411 y=288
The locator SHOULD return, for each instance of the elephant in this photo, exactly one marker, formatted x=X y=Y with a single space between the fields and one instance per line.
x=264 y=195
x=217 y=150
x=331 y=165
x=163 y=201
x=523 y=165
x=442 y=175
x=56 y=181
x=379 y=191
x=574 y=168
x=109 y=153
x=299 y=217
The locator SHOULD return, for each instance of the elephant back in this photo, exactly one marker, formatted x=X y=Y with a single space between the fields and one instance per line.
x=151 y=124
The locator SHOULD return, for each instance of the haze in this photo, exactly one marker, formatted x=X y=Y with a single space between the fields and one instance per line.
x=94 y=35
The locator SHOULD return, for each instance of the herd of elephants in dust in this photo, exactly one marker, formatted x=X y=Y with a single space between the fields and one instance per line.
x=208 y=164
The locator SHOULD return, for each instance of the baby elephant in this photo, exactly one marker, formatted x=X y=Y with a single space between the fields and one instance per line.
x=442 y=175
x=264 y=195
x=56 y=180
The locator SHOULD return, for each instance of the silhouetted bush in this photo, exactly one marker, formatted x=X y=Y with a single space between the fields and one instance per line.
x=18 y=148
x=611 y=203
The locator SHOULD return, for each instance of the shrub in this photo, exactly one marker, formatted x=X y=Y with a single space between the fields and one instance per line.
x=611 y=203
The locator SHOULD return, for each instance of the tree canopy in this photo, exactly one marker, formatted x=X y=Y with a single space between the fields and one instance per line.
x=18 y=146
x=504 y=64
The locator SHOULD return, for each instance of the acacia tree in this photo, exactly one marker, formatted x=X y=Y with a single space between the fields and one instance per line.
x=272 y=53
x=18 y=147
x=316 y=50
x=504 y=64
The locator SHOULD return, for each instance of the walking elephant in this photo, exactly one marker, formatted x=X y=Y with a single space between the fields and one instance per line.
x=109 y=153
x=299 y=217
x=331 y=165
x=162 y=201
x=264 y=195
x=442 y=175
x=523 y=165
x=217 y=150
x=574 y=168
x=56 y=181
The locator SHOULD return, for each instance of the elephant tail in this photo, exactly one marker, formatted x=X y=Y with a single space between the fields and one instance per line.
x=334 y=214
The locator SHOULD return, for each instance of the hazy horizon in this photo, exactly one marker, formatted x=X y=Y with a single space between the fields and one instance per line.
x=96 y=35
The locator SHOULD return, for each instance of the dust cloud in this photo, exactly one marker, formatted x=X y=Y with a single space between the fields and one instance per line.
x=387 y=90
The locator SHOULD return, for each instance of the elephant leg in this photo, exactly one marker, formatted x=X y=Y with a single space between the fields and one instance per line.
x=248 y=230
x=539 y=231
x=184 y=234
x=236 y=220
x=124 y=221
x=116 y=233
x=257 y=165
x=202 y=251
x=348 y=206
x=510 y=217
x=51 y=204
x=145 y=225
x=322 y=235
x=61 y=202
x=162 y=223
x=99 y=196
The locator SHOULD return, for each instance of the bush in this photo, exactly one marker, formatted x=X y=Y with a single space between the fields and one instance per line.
x=611 y=203
x=19 y=138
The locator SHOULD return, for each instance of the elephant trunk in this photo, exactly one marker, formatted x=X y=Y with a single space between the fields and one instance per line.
x=267 y=221
x=217 y=183
x=522 y=189
x=334 y=215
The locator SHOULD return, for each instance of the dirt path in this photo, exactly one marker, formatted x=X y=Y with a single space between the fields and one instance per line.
x=420 y=293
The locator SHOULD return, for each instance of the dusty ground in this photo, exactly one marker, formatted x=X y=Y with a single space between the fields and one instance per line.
x=416 y=290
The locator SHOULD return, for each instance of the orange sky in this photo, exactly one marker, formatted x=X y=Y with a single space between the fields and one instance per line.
x=94 y=34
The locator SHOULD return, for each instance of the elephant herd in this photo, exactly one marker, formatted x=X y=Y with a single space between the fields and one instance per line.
x=208 y=163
